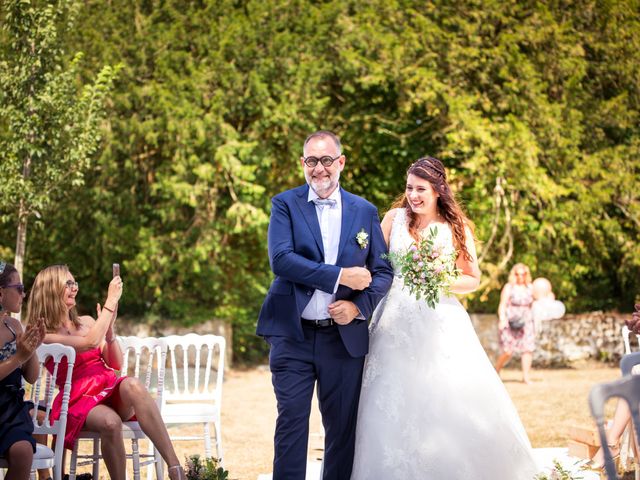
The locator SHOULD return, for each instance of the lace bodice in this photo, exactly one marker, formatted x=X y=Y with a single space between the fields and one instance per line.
x=401 y=239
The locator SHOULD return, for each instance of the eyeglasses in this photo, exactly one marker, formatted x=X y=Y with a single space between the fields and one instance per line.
x=18 y=286
x=521 y=274
x=71 y=284
x=326 y=161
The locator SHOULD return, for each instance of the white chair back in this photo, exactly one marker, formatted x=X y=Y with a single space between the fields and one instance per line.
x=145 y=359
x=193 y=390
x=61 y=360
x=631 y=341
x=197 y=368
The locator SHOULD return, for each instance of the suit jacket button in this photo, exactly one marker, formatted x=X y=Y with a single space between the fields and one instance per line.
x=309 y=292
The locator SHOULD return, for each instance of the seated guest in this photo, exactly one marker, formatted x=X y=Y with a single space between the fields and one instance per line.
x=100 y=400
x=621 y=416
x=17 y=360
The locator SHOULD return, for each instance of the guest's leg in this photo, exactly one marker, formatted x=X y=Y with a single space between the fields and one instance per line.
x=621 y=419
x=526 y=360
x=502 y=360
x=293 y=377
x=108 y=424
x=133 y=397
x=19 y=457
x=339 y=381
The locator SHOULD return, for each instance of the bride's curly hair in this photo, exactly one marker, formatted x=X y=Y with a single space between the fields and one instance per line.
x=432 y=170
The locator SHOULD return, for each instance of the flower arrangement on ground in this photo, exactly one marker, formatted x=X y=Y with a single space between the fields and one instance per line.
x=207 y=469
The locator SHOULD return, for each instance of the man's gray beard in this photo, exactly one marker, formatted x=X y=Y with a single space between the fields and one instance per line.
x=323 y=190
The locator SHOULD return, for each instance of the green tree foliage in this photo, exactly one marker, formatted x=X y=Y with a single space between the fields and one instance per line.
x=49 y=124
x=533 y=106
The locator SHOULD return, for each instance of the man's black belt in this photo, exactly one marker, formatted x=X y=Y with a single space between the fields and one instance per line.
x=323 y=322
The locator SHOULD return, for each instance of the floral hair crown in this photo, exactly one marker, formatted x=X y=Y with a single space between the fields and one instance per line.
x=2 y=265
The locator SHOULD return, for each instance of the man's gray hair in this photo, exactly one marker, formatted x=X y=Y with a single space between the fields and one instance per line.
x=324 y=134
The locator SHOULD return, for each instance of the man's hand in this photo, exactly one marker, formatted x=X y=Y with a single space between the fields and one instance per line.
x=356 y=278
x=343 y=311
x=634 y=323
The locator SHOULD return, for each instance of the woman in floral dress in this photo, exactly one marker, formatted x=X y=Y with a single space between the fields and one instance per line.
x=516 y=326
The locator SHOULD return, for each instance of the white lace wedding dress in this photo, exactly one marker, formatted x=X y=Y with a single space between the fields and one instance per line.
x=432 y=406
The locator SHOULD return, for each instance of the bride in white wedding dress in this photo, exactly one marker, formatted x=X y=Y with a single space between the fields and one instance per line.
x=432 y=406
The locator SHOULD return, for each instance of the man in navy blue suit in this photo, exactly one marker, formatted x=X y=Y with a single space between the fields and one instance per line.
x=325 y=249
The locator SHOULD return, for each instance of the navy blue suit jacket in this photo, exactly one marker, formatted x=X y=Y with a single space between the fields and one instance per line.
x=296 y=256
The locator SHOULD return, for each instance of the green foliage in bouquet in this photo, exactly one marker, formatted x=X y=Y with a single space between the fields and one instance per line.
x=207 y=469
x=428 y=267
x=558 y=473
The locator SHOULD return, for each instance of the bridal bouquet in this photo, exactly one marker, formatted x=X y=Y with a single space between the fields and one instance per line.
x=428 y=268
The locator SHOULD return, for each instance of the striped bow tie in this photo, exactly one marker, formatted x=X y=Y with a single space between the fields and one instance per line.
x=331 y=202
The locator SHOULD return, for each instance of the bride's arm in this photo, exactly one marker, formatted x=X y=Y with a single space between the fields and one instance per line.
x=470 y=278
x=386 y=224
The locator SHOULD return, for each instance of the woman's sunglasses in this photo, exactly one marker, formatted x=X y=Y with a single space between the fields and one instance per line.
x=18 y=286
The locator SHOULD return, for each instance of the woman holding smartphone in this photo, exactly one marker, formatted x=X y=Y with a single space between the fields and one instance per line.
x=100 y=400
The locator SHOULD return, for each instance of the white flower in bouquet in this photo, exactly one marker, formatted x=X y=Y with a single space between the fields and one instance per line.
x=428 y=268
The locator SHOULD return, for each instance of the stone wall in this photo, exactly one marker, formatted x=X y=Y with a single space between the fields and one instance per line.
x=560 y=343
x=563 y=342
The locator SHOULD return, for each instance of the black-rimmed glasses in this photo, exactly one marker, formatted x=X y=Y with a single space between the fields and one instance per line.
x=326 y=161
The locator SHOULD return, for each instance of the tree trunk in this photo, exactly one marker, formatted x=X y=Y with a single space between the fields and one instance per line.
x=21 y=241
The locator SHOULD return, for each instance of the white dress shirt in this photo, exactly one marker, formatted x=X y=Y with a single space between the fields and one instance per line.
x=330 y=220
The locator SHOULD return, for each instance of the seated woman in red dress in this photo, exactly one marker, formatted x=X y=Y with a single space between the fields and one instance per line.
x=100 y=400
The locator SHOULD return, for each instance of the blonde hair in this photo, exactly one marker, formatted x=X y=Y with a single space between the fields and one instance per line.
x=46 y=299
x=518 y=266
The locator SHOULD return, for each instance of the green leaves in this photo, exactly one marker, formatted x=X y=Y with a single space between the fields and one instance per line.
x=534 y=108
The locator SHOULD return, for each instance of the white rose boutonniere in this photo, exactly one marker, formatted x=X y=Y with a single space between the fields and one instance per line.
x=362 y=238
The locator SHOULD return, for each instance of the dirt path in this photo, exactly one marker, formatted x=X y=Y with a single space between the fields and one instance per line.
x=555 y=400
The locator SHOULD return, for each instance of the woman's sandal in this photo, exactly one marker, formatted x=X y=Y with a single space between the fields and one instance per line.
x=599 y=467
x=180 y=475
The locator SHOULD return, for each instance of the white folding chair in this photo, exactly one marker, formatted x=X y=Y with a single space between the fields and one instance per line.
x=627 y=388
x=145 y=359
x=627 y=335
x=628 y=446
x=193 y=391
x=42 y=393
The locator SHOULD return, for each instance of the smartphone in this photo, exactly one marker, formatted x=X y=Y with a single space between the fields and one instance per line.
x=116 y=269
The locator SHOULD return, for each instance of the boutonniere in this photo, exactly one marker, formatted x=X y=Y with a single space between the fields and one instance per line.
x=362 y=238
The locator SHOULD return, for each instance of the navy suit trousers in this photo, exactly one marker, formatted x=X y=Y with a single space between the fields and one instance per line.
x=296 y=367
